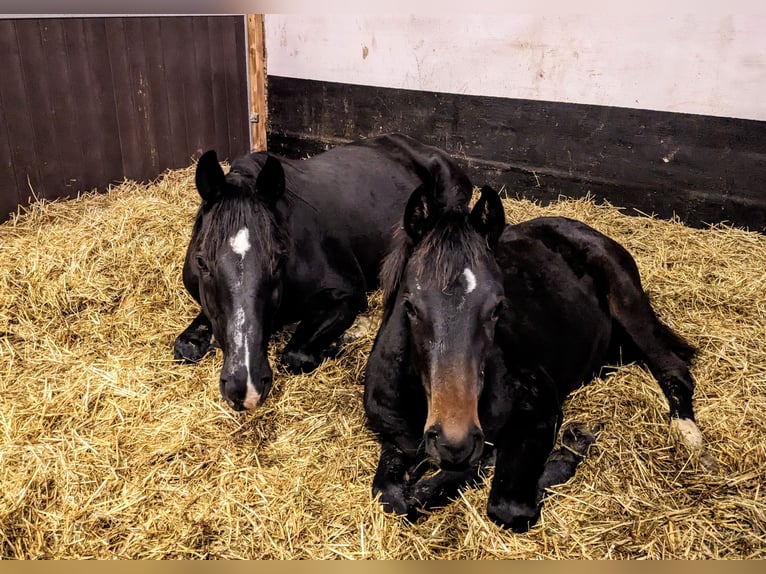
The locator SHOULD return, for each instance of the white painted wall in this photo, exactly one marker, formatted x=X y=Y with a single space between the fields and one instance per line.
x=704 y=64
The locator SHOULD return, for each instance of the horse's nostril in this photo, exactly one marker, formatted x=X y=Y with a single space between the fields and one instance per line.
x=454 y=453
x=230 y=394
x=235 y=405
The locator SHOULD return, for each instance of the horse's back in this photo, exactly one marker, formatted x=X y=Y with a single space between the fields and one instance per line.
x=582 y=246
x=566 y=253
x=356 y=193
x=451 y=184
x=371 y=167
x=556 y=318
x=610 y=272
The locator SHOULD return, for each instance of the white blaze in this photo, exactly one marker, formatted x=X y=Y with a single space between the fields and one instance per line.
x=240 y=243
x=252 y=397
x=470 y=280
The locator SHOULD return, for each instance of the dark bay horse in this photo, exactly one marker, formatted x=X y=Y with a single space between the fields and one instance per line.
x=486 y=330
x=278 y=241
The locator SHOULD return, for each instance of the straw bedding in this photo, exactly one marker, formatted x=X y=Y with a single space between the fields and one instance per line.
x=108 y=449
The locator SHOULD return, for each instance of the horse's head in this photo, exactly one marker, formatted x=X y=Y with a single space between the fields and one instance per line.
x=238 y=263
x=452 y=293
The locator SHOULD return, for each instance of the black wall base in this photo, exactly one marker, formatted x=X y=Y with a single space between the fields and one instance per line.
x=703 y=169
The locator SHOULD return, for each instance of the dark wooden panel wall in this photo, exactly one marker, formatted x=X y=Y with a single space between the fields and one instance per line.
x=85 y=102
x=702 y=169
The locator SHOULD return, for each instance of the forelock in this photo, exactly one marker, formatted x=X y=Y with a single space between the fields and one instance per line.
x=443 y=255
x=232 y=213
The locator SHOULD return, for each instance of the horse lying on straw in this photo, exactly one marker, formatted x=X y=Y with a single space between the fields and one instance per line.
x=486 y=330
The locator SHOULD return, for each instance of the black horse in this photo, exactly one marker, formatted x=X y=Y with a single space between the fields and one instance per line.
x=486 y=330
x=278 y=241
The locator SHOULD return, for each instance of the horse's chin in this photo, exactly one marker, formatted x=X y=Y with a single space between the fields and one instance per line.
x=235 y=405
x=251 y=403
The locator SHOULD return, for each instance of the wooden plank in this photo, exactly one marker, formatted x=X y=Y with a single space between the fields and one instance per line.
x=66 y=101
x=81 y=86
x=176 y=82
x=126 y=63
x=158 y=127
x=201 y=108
x=138 y=88
x=37 y=92
x=235 y=68
x=9 y=196
x=103 y=150
x=256 y=66
x=19 y=161
x=703 y=169
x=189 y=78
x=229 y=90
x=216 y=31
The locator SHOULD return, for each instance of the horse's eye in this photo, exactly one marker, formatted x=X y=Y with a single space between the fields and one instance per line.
x=278 y=262
x=409 y=308
x=202 y=264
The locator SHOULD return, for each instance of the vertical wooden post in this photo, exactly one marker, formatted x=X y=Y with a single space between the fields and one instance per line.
x=256 y=72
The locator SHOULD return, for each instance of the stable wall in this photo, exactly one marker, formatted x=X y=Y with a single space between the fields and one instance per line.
x=660 y=114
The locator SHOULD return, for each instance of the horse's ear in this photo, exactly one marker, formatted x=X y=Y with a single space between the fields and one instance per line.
x=488 y=216
x=420 y=213
x=270 y=184
x=209 y=177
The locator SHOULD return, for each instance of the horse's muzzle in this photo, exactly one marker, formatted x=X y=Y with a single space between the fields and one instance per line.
x=241 y=396
x=454 y=453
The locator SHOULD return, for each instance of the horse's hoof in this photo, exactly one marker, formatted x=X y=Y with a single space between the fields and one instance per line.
x=516 y=516
x=360 y=328
x=577 y=437
x=297 y=362
x=189 y=350
x=686 y=433
x=392 y=499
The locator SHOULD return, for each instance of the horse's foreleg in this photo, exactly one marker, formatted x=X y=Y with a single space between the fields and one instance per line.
x=441 y=488
x=521 y=457
x=327 y=316
x=392 y=478
x=195 y=341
